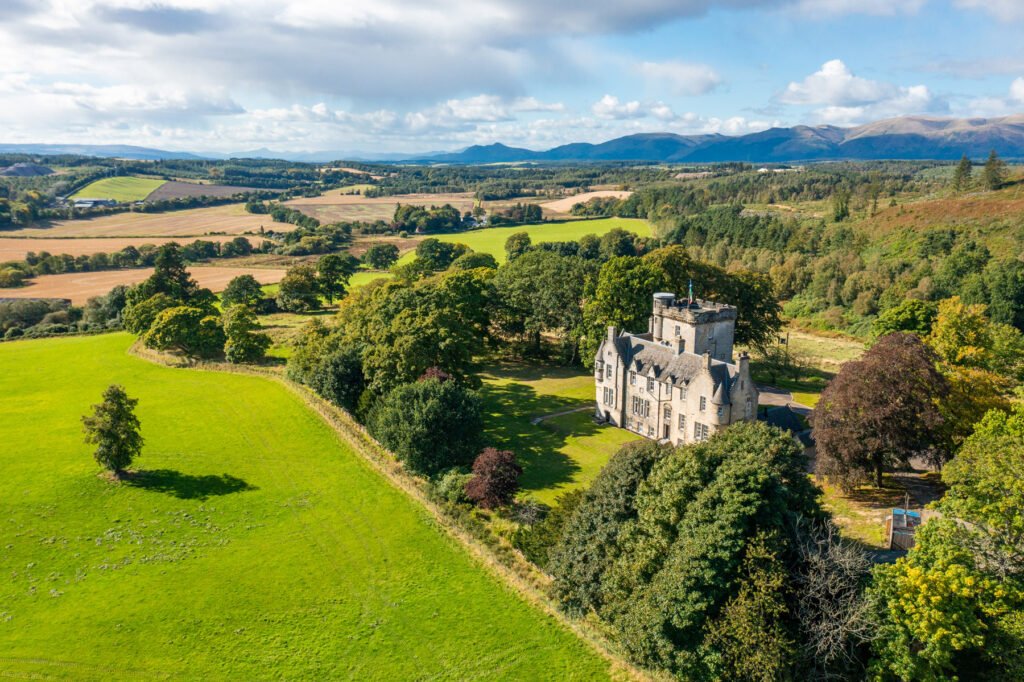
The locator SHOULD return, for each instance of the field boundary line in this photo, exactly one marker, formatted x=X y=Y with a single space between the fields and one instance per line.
x=514 y=571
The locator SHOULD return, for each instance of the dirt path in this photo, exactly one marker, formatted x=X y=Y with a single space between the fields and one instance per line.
x=538 y=420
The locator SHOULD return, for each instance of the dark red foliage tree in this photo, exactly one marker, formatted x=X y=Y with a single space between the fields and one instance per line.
x=435 y=373
x=879 y=412
x=495 y=478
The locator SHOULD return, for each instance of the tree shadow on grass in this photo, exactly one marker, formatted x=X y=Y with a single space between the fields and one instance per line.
x=509 y=409
x=187 y=486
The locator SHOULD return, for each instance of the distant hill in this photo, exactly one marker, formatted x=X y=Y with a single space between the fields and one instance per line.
x=25 y=170
x=911 y=137
x=107 y=151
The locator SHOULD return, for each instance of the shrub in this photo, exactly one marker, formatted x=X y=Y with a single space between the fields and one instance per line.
x=451 y=487
x=495 y=478
x=536 y=541
x=338 y=377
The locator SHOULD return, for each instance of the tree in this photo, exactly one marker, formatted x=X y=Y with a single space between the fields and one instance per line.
x=338 y=377
x=469 y=261
x=880 y=411
x=911 y=315
x=187 y=330
x=381 y=256
x=962 y=174
x=437 y=255
x=953 y=605
x=243 y=343
x=495 y=478
x=170 y=276
x=681 y=560
x=242 y=290
x=589 y=544
x=617 y=242
x=430 y=425
x=995 y=171
x=841 y=204
x=536 y=541
x=299 y=291
x=516 y=245
x=333 y=273
x=114 y=429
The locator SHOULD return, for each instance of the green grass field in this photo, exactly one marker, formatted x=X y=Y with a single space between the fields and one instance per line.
x=558 y=454
x=492 y=239
x=252 y=544
x=123 y=189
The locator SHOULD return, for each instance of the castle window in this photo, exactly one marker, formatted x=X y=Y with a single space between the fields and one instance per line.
x=721 y=411
x=609 y=396
x=632 y=378
x=682 y=423
x=749 y=409
x=607 y=371
x=700 y=431
x=682 y=392
x=650 y=432
x=650 y=384
x=703 y=403
x=679 y=330
x=668 y=413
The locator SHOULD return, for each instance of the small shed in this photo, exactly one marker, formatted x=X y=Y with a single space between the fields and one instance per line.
x=900 y=527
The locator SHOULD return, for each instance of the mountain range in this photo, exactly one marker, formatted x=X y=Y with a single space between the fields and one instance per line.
x=909 y=137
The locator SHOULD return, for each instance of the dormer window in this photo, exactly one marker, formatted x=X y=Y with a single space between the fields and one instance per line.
x=650 y=384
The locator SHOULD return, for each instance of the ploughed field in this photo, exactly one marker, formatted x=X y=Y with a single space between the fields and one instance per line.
x=79 y=287
x=334 y=206
x=565 y=204
x=175 y=189
x=17 y=248
x=230 y=219
x=251 y=544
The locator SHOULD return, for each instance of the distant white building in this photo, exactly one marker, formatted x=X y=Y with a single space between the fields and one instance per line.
x=676 y=383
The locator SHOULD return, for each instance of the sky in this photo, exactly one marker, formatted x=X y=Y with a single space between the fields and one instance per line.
x=414 y=76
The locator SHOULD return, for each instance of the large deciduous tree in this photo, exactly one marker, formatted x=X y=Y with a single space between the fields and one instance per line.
x=880 y=411
x=244 y=343
x=114 y=429
x=430 y=425
x=187 y=330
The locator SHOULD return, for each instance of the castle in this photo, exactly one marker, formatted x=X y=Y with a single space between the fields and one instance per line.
x=678 y=382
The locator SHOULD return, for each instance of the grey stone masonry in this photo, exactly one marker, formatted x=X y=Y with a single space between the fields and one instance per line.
x=678 y=382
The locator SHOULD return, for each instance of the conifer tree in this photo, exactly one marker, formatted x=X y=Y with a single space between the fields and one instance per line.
x=962 y=175
x=995 y=171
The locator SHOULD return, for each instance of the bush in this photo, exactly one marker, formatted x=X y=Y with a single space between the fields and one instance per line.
x=429 y=425
x=338 y=377
x=495 y=478
x=536 y=541
x=451 y=487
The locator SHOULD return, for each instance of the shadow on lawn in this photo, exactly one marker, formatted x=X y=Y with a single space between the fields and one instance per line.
x=509 y=409
x=187 y=486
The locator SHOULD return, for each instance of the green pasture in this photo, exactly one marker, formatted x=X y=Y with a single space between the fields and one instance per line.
x=492 y=239
x=123 y=189
x=251 y=543
x=558 y=454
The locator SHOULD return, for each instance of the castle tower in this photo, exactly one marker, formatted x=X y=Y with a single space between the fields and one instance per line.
x=693 y=325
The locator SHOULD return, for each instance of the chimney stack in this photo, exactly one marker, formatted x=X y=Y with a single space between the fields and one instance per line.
x=707 y=360
x=612 y=333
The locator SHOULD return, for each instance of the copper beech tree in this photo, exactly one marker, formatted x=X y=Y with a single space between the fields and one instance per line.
x=881 y=411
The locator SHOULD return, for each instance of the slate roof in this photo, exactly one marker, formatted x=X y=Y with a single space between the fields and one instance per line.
x=650 y=359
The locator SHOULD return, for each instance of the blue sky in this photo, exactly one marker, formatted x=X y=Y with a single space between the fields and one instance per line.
x=419 y=75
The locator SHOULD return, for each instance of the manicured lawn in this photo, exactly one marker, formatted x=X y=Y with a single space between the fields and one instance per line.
x=558 y=454
x=492 y=239
x=121 y=189
x=253 y=544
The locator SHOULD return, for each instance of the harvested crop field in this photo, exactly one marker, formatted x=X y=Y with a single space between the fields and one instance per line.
x=565 y=205
x=176 y=190
x=81 y=286
x=230 y=220
x=336 y=207
x=16 y=249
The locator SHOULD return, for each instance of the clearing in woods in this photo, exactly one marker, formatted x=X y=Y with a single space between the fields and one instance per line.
x=81 y=286
x=123 y=189
x=231 y=219
x=492 y=239
x=16 y=249
x=252 y=543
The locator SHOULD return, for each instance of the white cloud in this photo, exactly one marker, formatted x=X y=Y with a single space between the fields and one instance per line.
x=680 y=78
x=1017 y=90
x=843 y=98
x=609 y=106
x=835 y=85
x=828 y=8
x=1007 y=10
